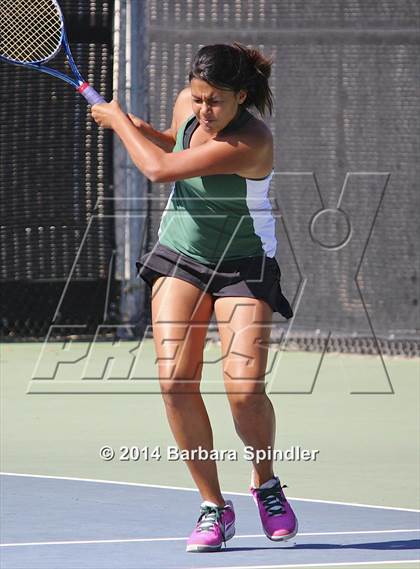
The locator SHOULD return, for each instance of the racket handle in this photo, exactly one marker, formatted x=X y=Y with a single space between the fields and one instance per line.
x=89 y=93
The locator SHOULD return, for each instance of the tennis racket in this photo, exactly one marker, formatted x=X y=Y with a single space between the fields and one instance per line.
x=31 y=33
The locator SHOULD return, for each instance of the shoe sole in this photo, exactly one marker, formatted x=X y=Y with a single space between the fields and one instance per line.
x=197 y=548
x=203 y=548
x=282 y=537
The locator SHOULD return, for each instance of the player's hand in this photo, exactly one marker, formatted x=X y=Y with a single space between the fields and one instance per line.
x=135 y=120
x=107 y=114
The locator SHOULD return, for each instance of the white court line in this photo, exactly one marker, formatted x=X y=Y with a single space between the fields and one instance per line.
x=195 y=490
x=347 y=564
x=151 y=539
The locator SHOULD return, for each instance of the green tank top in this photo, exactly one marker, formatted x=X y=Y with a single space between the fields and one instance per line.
x=219 y=217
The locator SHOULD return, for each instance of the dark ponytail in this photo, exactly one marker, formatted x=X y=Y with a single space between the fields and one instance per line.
x=236 y=67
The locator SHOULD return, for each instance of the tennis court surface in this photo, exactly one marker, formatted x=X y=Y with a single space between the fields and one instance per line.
x=68 y=523
x=64 y=507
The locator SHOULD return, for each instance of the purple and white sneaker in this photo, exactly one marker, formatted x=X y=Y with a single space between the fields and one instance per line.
x=277 y=517
x=214 y=527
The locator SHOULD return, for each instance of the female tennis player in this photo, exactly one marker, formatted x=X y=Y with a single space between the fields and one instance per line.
x=215 y=252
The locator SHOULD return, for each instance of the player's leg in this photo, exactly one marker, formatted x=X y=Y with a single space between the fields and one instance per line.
x=181 y=313
x=245 y=326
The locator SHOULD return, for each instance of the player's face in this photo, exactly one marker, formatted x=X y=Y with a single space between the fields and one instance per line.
x=213 y=107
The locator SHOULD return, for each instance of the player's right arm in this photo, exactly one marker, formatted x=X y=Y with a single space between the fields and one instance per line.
x=166 y=139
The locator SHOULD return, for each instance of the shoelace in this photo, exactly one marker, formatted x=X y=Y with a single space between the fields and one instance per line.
x=272 y=499
x=209 y=517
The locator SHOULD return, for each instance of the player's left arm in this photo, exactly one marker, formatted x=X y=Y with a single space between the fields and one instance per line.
x=226 y=156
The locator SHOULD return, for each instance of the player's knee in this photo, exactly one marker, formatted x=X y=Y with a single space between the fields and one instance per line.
x=247 y=399
x=179 y=370
x=173 y=388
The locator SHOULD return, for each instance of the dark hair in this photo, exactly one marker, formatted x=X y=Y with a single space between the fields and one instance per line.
x=235 y=67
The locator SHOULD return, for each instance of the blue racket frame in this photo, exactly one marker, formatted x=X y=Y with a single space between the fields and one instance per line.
x=82 y=86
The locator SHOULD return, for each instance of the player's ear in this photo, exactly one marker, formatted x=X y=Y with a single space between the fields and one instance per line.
x=241 y=96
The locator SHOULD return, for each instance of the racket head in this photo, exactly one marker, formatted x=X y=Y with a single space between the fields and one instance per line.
x=31 y=31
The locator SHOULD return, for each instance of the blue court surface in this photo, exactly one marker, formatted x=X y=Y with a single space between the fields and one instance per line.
x=59 y=523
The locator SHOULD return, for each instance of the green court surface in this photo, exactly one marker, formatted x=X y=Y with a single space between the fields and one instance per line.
x=368 y=443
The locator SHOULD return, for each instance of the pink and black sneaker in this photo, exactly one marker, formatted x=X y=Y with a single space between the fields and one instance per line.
x=214 y=527
x=277 y=517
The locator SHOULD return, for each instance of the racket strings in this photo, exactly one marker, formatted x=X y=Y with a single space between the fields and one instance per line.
x=30 y=30
x=30 y=34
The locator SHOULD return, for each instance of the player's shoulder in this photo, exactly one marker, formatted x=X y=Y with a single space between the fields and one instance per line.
x=184 y=96
x=260 y=129
x=254 y=132
x=182 y=107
